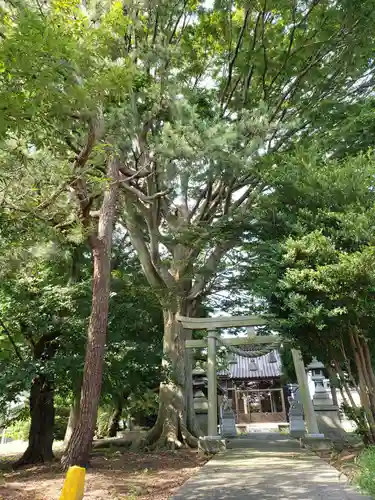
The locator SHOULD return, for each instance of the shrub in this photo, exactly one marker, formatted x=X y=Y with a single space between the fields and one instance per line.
x=61 y=421
x=18 y=430
x=104 y=414
x=366 y=473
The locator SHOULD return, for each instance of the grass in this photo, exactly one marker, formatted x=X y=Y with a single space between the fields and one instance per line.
x=365 y=477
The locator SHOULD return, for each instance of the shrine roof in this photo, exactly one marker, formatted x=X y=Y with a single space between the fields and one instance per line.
x=265 y=368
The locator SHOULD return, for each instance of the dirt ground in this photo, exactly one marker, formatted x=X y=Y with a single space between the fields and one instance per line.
x=113 y=475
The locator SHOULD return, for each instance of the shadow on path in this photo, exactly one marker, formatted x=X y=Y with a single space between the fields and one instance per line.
x=270 y=469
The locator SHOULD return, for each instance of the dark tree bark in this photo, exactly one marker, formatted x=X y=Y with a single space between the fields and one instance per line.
x=42 y=413
x=79 y=447
x=114 y=422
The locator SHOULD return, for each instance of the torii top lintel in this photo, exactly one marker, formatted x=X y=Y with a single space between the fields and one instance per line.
x=220 y=322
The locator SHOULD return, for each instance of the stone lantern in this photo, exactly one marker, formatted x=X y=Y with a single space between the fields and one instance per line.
x=321 y=396
x=327 y=414
x=199 y=399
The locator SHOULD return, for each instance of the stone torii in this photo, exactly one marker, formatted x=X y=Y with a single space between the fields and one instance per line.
x=211 y=325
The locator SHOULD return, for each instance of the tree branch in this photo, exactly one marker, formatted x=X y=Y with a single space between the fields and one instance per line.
x=77 y=183
x=137 y=240
x=14 y=345
x=251 y=67
x=177 y=23
x=205 y=195
x=136 y=192
x=265 y=58
x=209 y=268
x=235 y=54
x=292 y=35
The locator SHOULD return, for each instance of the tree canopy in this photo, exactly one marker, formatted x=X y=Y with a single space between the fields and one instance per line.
x=171 y=122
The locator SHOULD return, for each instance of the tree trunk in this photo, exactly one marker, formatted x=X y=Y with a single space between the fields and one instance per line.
x=78 y=450
x=42 y=413
x=344 y=400
x=369 y=372
x=114 y=422
x=333 y=385
x=170 y=430
x=350 y=395
x=73 y=419
x=343 y=383
x=364 y=396
x=366 y=371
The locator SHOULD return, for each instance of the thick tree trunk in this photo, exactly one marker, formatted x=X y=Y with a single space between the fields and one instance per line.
x=42 y=414
x=73 y=419
x=79 y=447
x=114 y=422
x=170 y=430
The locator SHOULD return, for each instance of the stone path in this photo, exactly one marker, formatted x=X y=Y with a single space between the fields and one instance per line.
x=274 y=467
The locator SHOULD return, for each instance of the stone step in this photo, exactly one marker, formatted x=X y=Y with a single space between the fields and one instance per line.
x=265 y=443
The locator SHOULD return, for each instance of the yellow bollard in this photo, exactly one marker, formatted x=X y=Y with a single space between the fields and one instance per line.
x=74 y=484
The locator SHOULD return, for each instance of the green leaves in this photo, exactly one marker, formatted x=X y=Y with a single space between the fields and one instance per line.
x=314 y=252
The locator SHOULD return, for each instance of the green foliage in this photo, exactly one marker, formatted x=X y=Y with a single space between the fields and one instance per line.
x=313 y=253
x=357 y=415
x=39 y=298
x=144 y=408
x=288 y=370
x=199 y=104
x=18 y=430
x=102 y=423
x=211 y=93
x=61 y=422
x=365 y=477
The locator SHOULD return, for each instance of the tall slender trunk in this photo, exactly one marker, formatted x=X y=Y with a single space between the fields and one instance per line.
x=363 y=391
x=73 y=418
x=350 y=395
x=345 y=401
x=344 y=385
x=42 y=413
x=369 y=371
x=365 y=371
x=333 y=385
x=79 y=447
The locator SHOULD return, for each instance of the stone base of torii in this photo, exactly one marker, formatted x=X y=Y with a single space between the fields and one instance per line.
x=211 y=325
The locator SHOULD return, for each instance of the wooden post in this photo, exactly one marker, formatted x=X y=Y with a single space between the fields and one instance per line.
x=283 y=401
x=212 y=383
x=272 y=403
x=237 y=404
x=308 y=408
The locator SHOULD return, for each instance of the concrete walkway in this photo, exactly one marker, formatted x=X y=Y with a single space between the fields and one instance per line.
x=274 y=467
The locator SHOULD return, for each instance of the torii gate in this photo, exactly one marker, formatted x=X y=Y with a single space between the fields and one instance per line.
x=211 y=325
